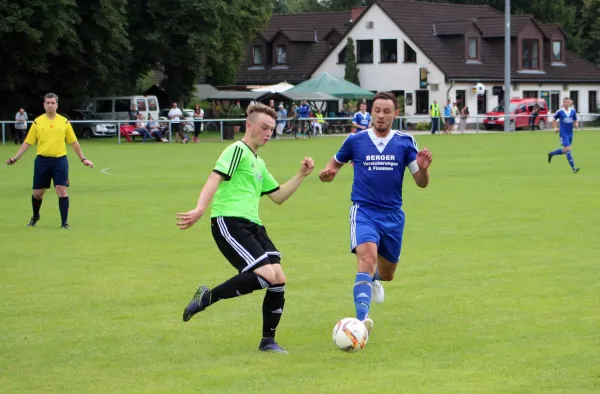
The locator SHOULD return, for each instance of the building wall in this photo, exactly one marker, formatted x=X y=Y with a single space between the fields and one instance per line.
x=402 y=76
x=385 y=76
x=518 y=91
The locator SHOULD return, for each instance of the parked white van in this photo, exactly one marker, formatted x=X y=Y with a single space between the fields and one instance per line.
x=118 y=107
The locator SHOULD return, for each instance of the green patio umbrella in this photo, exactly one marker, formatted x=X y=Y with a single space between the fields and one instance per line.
x=337 y=87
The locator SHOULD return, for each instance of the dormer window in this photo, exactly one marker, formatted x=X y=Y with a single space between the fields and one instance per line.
x=281 y=54
x=257 y=55
x=473 y=48
x=530 y=54
x=557 y=52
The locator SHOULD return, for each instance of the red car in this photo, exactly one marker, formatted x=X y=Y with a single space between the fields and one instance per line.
x=520 y=114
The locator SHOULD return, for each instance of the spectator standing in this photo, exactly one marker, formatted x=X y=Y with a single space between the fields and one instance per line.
x=20 y=127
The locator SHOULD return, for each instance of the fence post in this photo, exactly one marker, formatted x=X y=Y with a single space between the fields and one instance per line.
x=477 y=125
x=221 y=131
x=3 y=133
x=170 y=132
x=119 y=133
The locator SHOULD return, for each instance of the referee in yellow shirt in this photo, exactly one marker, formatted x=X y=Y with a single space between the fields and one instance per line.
x=50 y=131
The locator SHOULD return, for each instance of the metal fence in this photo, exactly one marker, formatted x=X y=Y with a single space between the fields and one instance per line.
x=227 y=127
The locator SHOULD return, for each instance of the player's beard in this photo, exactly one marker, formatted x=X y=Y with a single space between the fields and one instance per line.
x=381 y=128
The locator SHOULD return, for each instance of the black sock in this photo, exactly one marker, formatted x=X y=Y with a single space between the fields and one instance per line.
x=244 y=283
x=36 y=205
x=272 y=309
x=63 y=205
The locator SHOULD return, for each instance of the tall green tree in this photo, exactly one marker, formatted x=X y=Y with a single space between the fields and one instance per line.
x=351 y=70
x=280 y=7
x=174 y=37
x=241 y=22
x=591 y=22
x=73 y=48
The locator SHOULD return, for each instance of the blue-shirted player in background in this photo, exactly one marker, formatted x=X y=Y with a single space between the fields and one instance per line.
x=380 y=156
x=566 y=116
x=362 y=119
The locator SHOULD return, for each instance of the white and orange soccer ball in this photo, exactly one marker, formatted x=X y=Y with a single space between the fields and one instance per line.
x=350 y=335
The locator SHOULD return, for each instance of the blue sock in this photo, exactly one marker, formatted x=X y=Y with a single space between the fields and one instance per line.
x=362 y=294
x=570 y=159
x=376 y=276
x=557 y=152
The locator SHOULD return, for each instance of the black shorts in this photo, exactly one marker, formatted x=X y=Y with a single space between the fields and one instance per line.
x=46 y=169
x=245 y=244
x=176 y=127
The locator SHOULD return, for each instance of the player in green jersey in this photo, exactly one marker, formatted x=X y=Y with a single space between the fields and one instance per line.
x=237 y=183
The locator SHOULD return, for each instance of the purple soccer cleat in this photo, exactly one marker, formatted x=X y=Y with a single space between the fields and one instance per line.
x=269 y=345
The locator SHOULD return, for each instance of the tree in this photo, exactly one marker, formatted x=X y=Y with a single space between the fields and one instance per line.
x=280 y=7
x=591 y=22
x=242 y=21
x=81 y=53
x=351 y=71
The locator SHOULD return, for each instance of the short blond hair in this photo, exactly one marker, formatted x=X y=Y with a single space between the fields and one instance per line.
x=259 y=108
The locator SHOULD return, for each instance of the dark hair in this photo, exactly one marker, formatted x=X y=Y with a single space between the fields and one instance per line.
x=261 y=108
x=386 y=96
x=51 y=96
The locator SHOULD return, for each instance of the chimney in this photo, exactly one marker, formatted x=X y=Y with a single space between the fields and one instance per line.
x=356 y=12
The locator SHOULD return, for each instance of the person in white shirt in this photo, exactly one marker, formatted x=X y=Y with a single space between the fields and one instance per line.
x=175 y=115
x=20 y=127
x=198 y=126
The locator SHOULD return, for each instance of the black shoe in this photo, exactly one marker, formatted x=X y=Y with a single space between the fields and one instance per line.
x=198 y=303
x=549 y=157
x=65 y=226
x=33 y=221
x=575 y=170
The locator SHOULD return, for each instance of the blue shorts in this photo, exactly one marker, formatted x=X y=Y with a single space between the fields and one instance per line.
x=566 y=140
x=383 y=227
x=47 y=169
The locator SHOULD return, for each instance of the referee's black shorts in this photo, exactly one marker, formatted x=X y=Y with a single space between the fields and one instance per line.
x=47 y=169
x=245 y=244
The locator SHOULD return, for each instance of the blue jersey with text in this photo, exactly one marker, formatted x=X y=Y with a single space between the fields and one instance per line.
x=566 y=119
x=362 y=119
x=379 y=165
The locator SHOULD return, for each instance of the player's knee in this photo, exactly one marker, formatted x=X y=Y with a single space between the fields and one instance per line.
x=61 y=191
x=386 y=276
x=38 y=193
x=268 y=272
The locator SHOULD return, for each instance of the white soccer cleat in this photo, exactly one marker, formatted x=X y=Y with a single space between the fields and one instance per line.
x=369 y=324
x=378 y=293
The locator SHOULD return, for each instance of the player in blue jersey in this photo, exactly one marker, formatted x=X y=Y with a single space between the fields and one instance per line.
x=380 y=156
x=362 y=119
x=566 y=116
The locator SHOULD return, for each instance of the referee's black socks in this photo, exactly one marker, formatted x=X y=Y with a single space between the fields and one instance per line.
x=63 y=205
x=272 y=309
x=36 y=205
x=244 y=283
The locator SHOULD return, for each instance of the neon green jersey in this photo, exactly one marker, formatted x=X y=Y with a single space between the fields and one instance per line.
x=246 y=180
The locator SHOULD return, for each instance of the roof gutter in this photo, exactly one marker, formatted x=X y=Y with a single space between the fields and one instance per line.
x=514 y=81
x=449 y=89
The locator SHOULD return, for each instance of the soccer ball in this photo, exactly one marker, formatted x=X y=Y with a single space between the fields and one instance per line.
x=350 y=335
x=479 y=89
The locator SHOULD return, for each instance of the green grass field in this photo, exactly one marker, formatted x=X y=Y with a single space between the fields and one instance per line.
x=498 y=289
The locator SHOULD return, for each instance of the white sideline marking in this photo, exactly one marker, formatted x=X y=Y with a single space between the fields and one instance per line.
x=105 y=170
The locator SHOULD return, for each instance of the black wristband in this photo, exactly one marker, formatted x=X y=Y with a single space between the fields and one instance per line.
x=84 y=159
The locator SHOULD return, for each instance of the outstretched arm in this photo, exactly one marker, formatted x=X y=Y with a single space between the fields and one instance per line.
x=286 y=190
x=331 y=170
x=187 y=219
